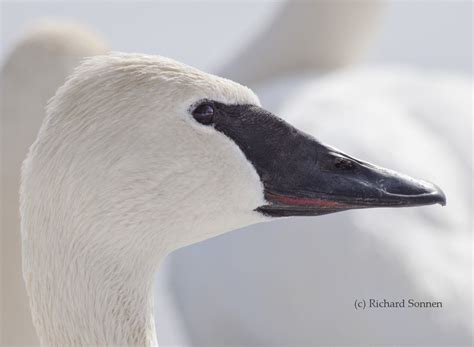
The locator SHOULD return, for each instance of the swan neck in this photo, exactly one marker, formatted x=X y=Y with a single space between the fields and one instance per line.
x=84 y=300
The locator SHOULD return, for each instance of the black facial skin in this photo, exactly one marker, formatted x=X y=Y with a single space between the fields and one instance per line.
x=302 y=177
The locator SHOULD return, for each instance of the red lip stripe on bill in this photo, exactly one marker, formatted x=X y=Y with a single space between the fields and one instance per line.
x=291 y=200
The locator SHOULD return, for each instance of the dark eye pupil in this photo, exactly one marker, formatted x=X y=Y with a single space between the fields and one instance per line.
x=204 y=114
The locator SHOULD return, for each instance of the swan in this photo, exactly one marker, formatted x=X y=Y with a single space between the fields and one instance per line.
x=32 y=71
x=140 y=155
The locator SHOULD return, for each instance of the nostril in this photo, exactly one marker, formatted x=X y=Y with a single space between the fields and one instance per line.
x=343 y=164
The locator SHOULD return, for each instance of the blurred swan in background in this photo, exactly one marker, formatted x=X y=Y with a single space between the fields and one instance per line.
x=385 y=113
x=31 y=73
x=425 y=255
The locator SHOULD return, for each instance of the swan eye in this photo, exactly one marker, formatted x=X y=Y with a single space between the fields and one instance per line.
x=204 y=114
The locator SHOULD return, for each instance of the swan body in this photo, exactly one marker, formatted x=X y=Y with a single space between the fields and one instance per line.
x=141 y=155
x=416 y=121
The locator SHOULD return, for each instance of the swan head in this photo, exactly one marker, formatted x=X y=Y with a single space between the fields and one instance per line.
x=144 y=141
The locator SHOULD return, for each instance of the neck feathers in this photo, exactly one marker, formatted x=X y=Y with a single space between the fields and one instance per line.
x=84 y=301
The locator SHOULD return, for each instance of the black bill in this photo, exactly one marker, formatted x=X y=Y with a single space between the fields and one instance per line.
x=302 y=177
